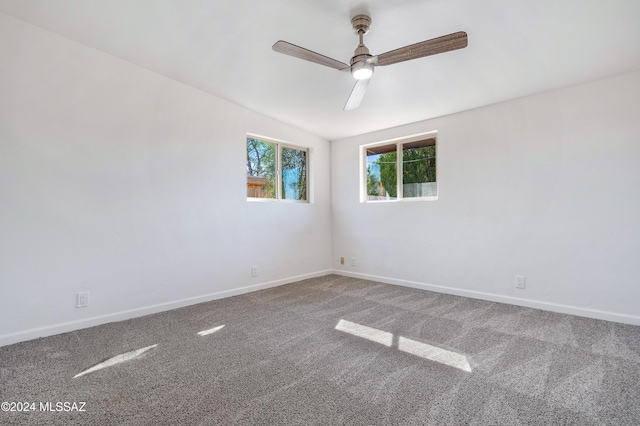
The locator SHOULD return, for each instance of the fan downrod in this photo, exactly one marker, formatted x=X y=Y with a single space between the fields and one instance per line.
x=360 y=24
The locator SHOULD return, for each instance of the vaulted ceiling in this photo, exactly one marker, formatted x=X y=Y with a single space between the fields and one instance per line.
x=516 y=48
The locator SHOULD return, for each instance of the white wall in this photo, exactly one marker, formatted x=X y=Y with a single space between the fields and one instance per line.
x=131 y=186
x=547 y=187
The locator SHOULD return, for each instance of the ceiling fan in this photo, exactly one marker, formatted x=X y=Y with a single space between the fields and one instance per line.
x=363 y=63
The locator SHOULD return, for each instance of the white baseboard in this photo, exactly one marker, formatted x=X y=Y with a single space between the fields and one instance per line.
x=34 y=333
x=546 y=306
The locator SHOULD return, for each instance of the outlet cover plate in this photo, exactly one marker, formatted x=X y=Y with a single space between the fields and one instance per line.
x=83 y=299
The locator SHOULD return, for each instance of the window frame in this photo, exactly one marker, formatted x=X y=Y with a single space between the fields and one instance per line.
x=278 y=169
x=399 y=142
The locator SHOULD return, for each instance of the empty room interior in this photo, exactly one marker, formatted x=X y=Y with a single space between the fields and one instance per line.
x=320 y=212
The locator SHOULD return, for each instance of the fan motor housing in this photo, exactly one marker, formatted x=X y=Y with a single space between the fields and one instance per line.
x=361 y=24
x=360 y=58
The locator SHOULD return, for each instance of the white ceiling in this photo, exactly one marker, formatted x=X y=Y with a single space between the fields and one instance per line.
x=516 y=48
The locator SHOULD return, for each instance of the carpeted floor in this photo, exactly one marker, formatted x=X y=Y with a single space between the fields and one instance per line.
x=330 y=351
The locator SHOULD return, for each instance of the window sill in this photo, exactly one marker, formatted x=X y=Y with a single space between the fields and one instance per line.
x=403 y=200
x=274 y=200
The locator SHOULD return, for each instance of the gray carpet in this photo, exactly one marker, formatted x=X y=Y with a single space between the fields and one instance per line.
x=330 y=351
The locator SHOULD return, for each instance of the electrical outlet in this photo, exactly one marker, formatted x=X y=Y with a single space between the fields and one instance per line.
x=254 y=271
x=342 y=260
x=519 y=281
x=83 y=299
x=353 y=261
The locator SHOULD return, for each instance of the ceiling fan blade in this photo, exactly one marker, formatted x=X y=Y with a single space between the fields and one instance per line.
x=308 y=55
x=425 y=48
x=357 y=93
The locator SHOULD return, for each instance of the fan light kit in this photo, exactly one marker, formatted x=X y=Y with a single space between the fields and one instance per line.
x=361 y=70
x=363 y=63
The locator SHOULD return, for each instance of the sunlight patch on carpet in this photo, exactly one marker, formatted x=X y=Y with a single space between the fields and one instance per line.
x=210 y=331
x=413 y=347
x=434 y=353
x=365 y=332
x=116 y=360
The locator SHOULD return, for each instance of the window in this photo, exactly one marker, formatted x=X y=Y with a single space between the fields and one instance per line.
x=276 y=171
x=400 y=170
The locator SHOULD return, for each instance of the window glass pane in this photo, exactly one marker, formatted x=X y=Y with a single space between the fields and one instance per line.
x=419 y=169
x=261 y=169
x=382 y=173
x=294 y=174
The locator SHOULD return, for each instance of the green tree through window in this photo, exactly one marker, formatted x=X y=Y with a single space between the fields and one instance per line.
x=417 y=163
x=271 y=164
x=389 y=173
x=294 y=174
x=261 y=169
